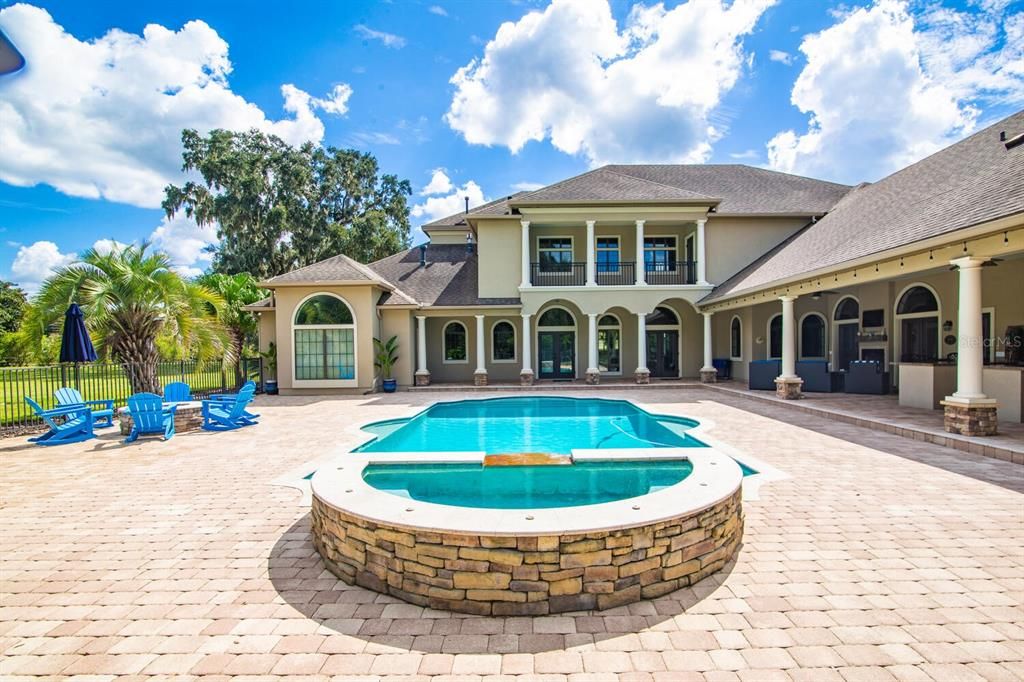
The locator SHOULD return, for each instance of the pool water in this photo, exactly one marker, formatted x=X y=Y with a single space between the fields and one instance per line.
x=530 y=424
x=525 y=487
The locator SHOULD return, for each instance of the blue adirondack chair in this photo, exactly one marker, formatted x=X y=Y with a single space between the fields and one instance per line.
x=68 y=423
x=177 y=392
x=150 y=416
x=71 y=396
x=225 y=415
x=250 y=385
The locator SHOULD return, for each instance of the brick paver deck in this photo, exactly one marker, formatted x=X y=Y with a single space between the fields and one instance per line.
x=880 y=558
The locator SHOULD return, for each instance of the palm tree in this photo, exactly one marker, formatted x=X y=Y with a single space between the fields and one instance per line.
x=131 y=297
x=237 y=291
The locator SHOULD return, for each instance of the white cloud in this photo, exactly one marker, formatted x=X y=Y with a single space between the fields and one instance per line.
x=369 y=139
x=439 y=183
x=645 y=93
x=185 y=242
x=37 y=261
x=103 y=117
x=527 y=186
x=745 y=155
x=780 y=56
x=438 y=10
x=884 y=88
x=105 y=246
x=440 y=206
x=389 y=39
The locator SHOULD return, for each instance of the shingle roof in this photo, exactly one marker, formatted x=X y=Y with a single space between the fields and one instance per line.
x=973 y=181
x=338 y=268
x=262 y=304
x=744 y=189
x=449 y=277
x=496 y=207
x=611 y=184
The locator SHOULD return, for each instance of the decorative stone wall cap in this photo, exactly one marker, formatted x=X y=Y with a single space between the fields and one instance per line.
x=789 y=380
x=340 y=484
x=952 y=401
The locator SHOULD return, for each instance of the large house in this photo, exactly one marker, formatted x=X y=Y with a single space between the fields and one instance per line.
x=655 y=271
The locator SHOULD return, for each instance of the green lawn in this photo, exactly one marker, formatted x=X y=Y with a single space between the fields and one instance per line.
x=96 y=382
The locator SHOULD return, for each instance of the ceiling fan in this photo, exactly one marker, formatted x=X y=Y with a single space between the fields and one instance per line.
x=818 y=294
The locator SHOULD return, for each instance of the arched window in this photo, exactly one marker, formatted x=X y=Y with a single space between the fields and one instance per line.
x=812 y=337
x=609 y=341
x=556 y=317
x=775 y=337
x=736 y=339
x=917 y=300
x=662 y=316
x=848 y=309
x=917 y=317
x=325 y=347
x=455 y=343
x=503 y=342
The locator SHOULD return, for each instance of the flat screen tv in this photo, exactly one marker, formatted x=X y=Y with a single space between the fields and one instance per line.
x=873 y=318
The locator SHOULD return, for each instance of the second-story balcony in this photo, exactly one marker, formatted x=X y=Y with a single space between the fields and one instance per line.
x=622 y=273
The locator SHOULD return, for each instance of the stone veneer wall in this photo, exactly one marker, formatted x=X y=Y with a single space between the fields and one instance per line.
x=528 y=575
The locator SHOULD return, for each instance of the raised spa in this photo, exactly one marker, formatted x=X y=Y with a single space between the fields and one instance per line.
x=440 y=511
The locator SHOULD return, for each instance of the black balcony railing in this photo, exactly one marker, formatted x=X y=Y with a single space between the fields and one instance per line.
x=680 y=272
x=622 y=273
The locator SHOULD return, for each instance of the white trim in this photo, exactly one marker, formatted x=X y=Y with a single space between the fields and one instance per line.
x=835 y=307
x=618 y=327
x=515 y=343
x=834 y=325
x=575 y=339
x=572 y=251
x=991 y=350
x=326 y=383
x=897 y=332
x=824 y=336
x=768 y=338
x=444 y=349
x=736 y=318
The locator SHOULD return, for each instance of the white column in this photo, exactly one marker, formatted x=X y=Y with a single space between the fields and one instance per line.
x=708 y=365
x=641 y=277
x=970 y=351
x=641 y=342
x=592 y=344
x=527 y=351
x=788 y=338
x=525 y=280
x=421 y=345
x=481 y=366
x=591 y=259
x=702 y=260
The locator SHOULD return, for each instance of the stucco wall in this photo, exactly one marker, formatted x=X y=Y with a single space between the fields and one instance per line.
x=362 y=300
x=733 y=243
x=499 y=262
x=400 y=323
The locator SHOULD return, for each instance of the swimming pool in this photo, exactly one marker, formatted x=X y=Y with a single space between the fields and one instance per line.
x=543 y=424
x=526 y=487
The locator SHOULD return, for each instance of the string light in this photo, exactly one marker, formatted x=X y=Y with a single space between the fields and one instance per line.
x=1006 y=240
x=965 y=247
x=930 y=256
x=876 y=267
x=901 y=261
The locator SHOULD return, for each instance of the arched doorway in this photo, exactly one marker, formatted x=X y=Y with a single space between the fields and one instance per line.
x=917 y=322
x=663 y=342
x=556 y=344
x=845 y=325
x=609 y=344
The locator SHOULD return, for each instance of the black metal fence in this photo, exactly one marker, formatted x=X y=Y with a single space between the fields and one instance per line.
x=109 y=381
x=622 y=273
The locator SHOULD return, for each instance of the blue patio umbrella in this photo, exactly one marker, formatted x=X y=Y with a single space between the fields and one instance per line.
x=75 y=344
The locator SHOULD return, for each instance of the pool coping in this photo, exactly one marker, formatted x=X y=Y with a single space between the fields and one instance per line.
x=715 y=477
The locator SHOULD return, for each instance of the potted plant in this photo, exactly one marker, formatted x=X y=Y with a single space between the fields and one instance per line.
x=387 y=356
x=270 y=362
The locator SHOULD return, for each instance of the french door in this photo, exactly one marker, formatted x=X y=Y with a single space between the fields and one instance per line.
x=663 y=353
x=557 y=354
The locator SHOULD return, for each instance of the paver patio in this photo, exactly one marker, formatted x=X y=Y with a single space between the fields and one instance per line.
x=880 y=558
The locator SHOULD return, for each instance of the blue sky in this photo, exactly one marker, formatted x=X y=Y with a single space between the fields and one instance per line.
x=498 y=95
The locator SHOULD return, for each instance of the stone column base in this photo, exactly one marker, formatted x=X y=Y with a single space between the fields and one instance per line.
x=642 y=376
x=526 y=378
x=788 y=389
x=970 y=420
x=479 y=378
x=422 y=378
x=593 y=377
x=709 y=376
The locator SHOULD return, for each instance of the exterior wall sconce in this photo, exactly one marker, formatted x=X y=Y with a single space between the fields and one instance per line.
x=947 y=325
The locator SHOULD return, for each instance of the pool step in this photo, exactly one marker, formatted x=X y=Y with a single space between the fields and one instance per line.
x=524 y=459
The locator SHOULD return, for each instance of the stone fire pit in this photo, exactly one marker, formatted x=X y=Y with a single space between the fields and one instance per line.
x=188 y=417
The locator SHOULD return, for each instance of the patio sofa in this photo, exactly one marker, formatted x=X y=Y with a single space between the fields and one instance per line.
x=866 y=376
x=762 y=374
x=817 y=377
